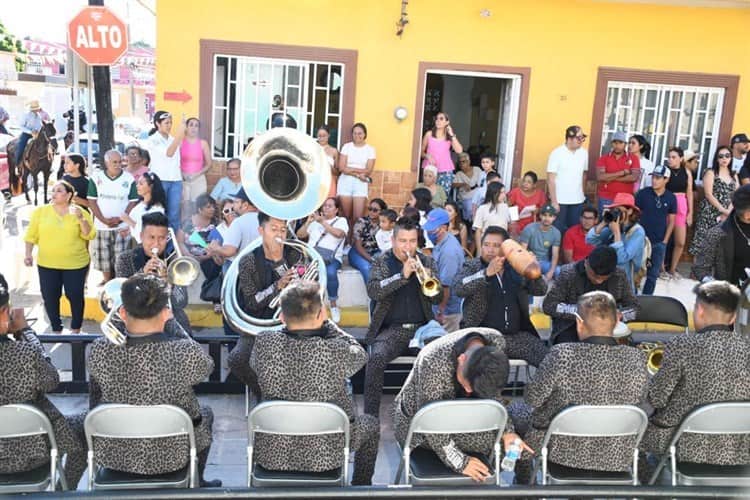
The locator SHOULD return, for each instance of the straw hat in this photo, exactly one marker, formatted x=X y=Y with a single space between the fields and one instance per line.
x=34 y=105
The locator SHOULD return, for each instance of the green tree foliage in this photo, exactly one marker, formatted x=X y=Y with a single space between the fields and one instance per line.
x=9 y=43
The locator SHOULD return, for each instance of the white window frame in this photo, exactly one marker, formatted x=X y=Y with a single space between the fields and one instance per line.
x=305 y=118
x=658 y=137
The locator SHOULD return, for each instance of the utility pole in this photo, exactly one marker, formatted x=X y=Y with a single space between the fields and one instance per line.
x=103 y=93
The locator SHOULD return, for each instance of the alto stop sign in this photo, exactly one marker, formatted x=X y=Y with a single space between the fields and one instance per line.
x=98 y=36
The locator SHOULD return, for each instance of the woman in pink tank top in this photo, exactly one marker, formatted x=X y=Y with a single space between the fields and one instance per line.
x=436 y=149
x=195 y=160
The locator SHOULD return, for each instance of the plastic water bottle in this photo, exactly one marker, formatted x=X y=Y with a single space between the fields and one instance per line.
x=511 y=455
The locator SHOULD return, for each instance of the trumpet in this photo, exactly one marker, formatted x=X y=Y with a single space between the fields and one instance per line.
x=430 y=285
x=177 y=269
x=654 y=355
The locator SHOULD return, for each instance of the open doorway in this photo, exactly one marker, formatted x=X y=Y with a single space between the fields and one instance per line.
x=483 y=109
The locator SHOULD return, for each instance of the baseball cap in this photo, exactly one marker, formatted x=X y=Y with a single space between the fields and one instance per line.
x=548 y=209
x=241 y=195
x=737 y=138
x=689 y=155
x=624 y=200
x=620 y=136
x=436 y=218
x=661 y=171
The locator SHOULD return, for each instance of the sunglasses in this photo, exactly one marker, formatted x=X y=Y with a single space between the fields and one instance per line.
x=374 y=209
x=723 y=155
x=227 y=211
x=581 y=137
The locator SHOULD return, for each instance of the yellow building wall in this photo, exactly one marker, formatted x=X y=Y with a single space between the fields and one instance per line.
x=563 y=42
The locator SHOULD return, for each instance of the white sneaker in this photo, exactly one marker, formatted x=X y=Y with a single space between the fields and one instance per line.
x=335 y=315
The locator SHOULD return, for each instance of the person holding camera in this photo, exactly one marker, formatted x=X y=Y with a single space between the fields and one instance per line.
x=620 y=230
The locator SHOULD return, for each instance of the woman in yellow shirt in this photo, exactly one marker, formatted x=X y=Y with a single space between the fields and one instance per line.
x=61 y=230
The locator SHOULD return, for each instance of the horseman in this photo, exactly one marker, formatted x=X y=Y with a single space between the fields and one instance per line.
x=31 y=124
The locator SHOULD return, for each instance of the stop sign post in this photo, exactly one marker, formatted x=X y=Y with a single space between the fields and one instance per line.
x=98 y=36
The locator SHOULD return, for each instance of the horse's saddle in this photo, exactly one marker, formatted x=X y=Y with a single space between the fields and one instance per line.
x=32 y=146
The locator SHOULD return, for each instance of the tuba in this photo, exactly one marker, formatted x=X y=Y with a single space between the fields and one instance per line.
x=286 y=175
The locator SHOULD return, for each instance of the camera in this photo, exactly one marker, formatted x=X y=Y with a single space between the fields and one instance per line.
x=611 y=215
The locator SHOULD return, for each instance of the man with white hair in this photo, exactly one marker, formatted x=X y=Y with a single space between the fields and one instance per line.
x=111 y=193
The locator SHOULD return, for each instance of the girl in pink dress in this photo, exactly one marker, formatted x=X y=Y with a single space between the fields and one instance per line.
x=195 y=160
x=436 y=149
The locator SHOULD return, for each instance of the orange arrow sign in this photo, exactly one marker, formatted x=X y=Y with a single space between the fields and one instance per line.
x=182 y=97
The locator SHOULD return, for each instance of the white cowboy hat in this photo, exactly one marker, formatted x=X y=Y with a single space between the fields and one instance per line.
x=34 y=105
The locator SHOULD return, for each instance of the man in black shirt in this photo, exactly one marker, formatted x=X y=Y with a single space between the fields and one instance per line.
x=400 y=306
x=598 y=272
x=263 y=274
x=496 y=296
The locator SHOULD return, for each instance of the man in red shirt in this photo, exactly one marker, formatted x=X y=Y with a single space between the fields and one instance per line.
x=617 y=171
x=574 y=244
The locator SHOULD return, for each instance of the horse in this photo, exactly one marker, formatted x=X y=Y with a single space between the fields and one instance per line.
x=37 y=158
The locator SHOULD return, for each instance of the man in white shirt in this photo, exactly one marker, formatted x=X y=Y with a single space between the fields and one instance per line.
x=566 y=178
x=241 y=232
x=740 y=146
x=111 y=193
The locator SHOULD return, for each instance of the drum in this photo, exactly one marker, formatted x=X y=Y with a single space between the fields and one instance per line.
x=622 y=333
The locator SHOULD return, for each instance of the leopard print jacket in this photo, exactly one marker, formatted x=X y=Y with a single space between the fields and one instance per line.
x=256 y=294
x=305 y=366
x=25 y=377
x=562 y=298
x=471 y=285
x=433 y=378
x=382 y=286
x=150 y=371
x=709 y=366
x=125 y=267
x=585 y=374
x=716 y=255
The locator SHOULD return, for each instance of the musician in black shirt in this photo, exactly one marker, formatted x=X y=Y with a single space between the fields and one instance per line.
x=263 y=274
x=400 y=306
x=496 y=296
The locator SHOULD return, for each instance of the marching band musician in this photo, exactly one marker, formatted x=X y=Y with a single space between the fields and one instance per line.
x=709 y=366
x=598 y=271
x=262 y=275
x=27 y=374
x=154 y=235
x=496 y=296
x=463 y=364
x=311 y=360
x=400 y=306
x=595 y=371
x=150 y=369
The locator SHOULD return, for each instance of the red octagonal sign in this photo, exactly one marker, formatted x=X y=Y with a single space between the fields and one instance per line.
x=98 y=36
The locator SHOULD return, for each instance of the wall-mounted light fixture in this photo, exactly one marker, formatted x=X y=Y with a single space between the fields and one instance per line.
x=400 y=113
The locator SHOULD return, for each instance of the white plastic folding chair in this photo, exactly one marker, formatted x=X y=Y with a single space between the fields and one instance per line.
x=295 y=418
x=586 y=421
x=422 y=467
x=19 y=421
x=711 y=419
x=121 y=421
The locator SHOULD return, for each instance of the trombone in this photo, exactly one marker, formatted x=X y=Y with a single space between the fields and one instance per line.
x=430 y=285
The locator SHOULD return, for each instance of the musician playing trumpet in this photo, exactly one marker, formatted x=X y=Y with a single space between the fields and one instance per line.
x=401 y=307
x=263 y=274
x=496 y=296
x=149 y=258
x=28 y=376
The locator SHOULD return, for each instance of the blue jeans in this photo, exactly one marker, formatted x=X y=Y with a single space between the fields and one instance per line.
x=173 y=190
x=569 y=216
x=23 y=140
x=360 y=264
x=658 y=250
x=332 y=275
